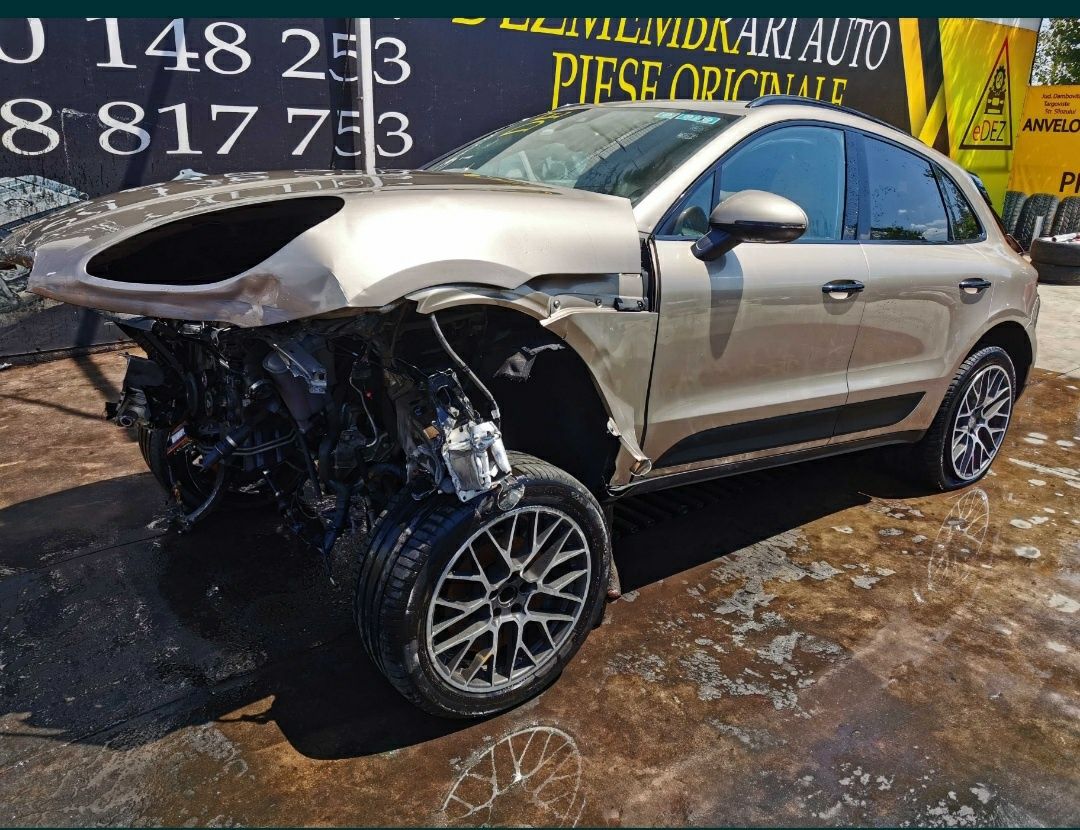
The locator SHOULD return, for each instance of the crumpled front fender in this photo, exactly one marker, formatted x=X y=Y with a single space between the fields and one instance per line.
x=395 y=233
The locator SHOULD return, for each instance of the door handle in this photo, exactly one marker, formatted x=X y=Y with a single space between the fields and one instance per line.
x=845 y=287
x=973 y=285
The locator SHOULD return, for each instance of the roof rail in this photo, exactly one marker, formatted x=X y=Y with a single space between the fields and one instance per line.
x=771 y=100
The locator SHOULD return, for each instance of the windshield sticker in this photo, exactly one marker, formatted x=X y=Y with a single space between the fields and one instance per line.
x=697 y=118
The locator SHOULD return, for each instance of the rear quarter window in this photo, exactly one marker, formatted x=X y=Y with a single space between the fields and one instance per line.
x=964 y=224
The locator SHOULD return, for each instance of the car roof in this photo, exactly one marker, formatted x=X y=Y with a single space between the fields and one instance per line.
x=727 y=107
x=792 y=107
x=780 y=108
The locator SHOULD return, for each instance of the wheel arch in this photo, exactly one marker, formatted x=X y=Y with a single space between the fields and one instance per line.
x=1013 y=337
x=555 y=409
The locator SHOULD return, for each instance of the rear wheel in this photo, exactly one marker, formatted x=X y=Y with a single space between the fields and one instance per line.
x=970 y=426
x=470 y=613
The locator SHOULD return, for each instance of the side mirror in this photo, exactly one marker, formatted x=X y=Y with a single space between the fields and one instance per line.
x=750 y=216
x=692 y=219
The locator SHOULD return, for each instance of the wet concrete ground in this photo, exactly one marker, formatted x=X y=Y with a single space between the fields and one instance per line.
x=818 y=645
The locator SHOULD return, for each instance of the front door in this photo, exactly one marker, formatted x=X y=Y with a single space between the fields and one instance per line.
x=751 y=353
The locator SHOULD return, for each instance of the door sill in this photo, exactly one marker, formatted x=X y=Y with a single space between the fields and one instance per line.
x=662 y=481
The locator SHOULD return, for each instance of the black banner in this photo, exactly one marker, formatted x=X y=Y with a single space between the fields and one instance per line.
x=449 y=81
x=89 y=106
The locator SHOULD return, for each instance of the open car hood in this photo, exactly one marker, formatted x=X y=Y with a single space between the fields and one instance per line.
x=255 y=249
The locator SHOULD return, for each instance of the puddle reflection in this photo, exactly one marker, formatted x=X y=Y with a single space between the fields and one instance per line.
x=529 y=778
x=959 y=542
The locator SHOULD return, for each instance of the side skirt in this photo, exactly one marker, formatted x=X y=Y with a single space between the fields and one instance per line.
x=788 y=430
x=662 y=482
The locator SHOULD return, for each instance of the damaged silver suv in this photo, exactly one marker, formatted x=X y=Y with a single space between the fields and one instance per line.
x=470 y=362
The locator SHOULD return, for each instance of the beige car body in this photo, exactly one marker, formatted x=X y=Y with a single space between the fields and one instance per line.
x=732 y=347
x=776 y=347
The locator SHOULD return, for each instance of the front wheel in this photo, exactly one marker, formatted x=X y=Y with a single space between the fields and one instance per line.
x=470 y=613
x=970 y=426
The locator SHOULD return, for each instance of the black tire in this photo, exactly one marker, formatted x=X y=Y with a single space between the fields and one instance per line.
x=1058 y=274
x=1067 y=218
x=196 y=490
x=931 y=455
x=1041 y=204
x=1014 y=203
x=1055 y=253
x=414 y=543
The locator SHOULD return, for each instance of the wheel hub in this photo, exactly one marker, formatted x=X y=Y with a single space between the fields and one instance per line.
x=513 y=594
x=507 y=595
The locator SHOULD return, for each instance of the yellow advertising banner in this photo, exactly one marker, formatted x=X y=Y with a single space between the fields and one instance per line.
x=966 y=90
x=1047 y=156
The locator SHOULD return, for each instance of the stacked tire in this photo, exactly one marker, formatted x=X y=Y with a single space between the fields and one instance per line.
x=1056 y=253
x=1057 y=259
x=1041 y=206
x=1067 y=218
x=1010 y=215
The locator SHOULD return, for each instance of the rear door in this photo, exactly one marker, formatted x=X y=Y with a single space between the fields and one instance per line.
x=920 y=238
x=752 y=354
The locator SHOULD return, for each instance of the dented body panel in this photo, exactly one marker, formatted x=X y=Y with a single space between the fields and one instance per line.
x=396 y=233
x=616 y=348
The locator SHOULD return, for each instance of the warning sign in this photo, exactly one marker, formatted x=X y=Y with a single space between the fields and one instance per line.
x=990 y=127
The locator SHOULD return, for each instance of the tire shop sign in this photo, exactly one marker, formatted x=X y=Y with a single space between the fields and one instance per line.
x=1044 y=188
x=1047 y=157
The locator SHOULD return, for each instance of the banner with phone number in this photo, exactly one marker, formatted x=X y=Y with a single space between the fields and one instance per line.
x=93 y=105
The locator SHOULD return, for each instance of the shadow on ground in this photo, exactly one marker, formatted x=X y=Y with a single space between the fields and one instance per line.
x=104 y=634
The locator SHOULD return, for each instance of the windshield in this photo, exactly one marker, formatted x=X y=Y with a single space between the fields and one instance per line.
x=621 y=151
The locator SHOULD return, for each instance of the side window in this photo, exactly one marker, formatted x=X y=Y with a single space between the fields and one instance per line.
x=905 y=203
x=965 y=225
x=692 y=218
x=805 y=164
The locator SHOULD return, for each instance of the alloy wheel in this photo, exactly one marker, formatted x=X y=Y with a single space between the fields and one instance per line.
x=508 y=600
x=980 y=422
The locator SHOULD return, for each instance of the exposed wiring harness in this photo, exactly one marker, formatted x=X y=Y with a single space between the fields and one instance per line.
x=461 y=364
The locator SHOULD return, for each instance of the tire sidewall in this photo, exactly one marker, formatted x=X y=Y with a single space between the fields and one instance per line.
x=992 y=355
x=1051 y=274
x=580 y=507
x=1067 y=218
x=1040 y=204
x=1047 y=251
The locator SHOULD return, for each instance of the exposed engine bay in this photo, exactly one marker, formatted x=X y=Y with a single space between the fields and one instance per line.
x=328 y=419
